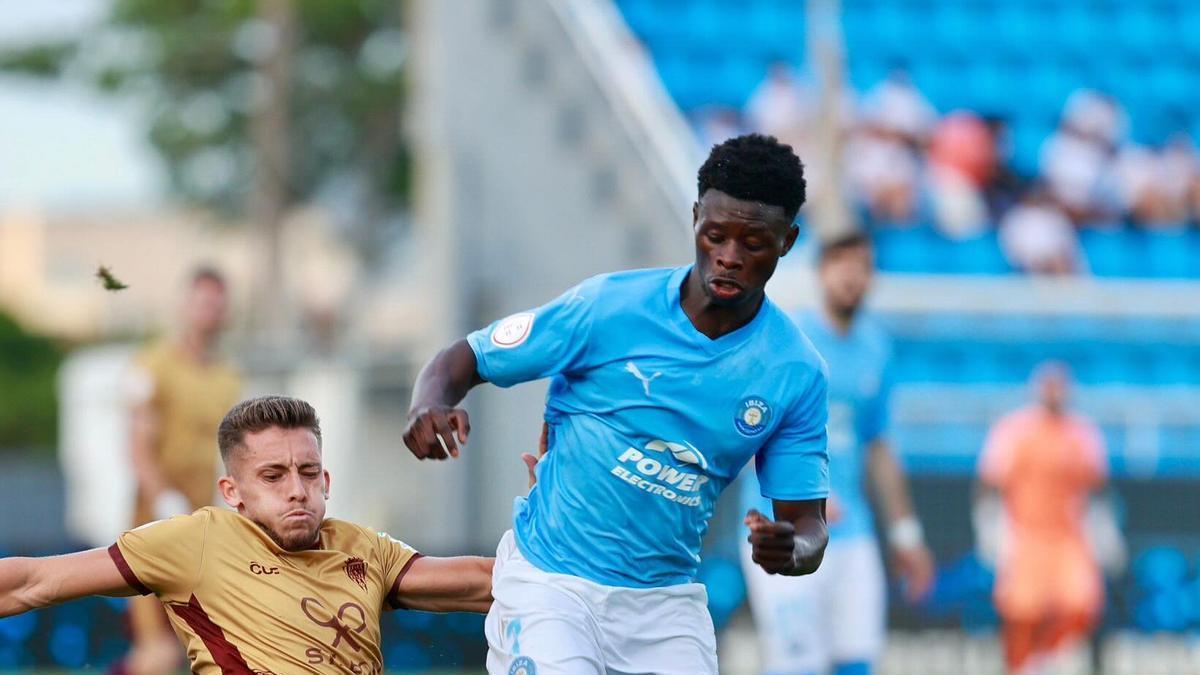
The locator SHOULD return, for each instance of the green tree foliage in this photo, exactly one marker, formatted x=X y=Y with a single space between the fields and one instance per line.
x=192 y=65
x=28 y=391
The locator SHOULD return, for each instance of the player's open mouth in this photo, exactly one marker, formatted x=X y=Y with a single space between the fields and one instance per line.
x=725 y=288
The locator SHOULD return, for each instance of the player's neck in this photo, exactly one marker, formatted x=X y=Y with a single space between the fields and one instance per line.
x=712 y=320
x=841 y=322
x=197 y=346
x=1054 y=413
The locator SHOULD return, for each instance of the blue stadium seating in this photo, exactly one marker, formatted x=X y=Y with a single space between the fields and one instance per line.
x=1017 y=58
x=1142 y=361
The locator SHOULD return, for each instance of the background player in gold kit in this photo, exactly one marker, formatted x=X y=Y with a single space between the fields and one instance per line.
x=274 y=587
x=179 y=388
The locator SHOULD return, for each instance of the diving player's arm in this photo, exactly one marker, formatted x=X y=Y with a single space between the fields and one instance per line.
x=910 y=555
x=435 y=426
x=794 y=543
x=458 y=584
x=30 y=583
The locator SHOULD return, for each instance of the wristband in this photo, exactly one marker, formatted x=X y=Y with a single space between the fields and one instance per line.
x=906 y=533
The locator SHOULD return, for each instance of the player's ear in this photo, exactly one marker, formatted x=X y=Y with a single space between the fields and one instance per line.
x=789 y=239
x=325 y=490
x=229 y=491
x=695 y=214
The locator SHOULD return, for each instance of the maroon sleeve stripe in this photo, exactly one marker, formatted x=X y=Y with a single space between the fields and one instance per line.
x=126 y=571
x=224 y=653
x=393 y=598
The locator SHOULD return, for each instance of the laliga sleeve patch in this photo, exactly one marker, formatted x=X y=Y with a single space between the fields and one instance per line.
x=513 y=331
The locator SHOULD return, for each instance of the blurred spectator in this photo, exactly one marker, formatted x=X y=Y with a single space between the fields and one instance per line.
x=1076 y=160
x=882 y=176
x=781 y=105
x=1096 y=117
x=179 y=389
x=1154 y=187
x=883 y=157
x=898 y=108
x=1044 y=462
x=962 y=159
x=1004 y=187
x=1038 y=237
x=1181 y=174
x=905 y=167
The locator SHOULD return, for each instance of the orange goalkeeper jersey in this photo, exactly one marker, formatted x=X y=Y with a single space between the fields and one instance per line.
x=1045 y=467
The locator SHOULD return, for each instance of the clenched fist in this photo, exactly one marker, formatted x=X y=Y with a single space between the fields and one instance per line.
x=437 y=432
x=773 y=543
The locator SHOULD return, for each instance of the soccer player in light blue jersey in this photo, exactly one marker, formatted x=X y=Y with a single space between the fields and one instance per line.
x=833 y=621
x=665 y=383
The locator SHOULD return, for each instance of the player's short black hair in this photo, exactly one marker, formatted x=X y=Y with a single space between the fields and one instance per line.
x=262 y=413
x=841 y=242
x=755 y=168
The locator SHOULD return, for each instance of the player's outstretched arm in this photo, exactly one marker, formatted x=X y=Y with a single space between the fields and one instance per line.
x=30 y=583
x=436 y=427
x=459 y=584
x=794 y=543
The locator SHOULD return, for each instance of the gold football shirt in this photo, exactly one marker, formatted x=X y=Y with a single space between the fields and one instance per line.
x=189 y=399
x=242 y=605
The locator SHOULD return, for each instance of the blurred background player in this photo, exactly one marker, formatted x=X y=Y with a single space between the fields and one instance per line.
x=1046 y=462
x=180 y=388
x=835 y=619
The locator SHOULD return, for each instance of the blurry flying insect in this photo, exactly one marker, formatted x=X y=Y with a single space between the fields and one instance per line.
x=110 y=282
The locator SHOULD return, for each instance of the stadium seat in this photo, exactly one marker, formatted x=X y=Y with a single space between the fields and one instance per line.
x=1112 y=252
x=1172 y=253
x=981 y=255
x=1160 y=568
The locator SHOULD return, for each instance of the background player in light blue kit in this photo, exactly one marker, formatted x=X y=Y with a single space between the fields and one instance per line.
x=834 y=620
x=666 y=382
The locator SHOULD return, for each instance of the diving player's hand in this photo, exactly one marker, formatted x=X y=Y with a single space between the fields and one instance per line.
x=531 y=462
x=436 y=432
x=773 y=543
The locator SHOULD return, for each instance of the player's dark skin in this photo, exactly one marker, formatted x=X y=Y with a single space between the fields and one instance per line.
x=738 y=245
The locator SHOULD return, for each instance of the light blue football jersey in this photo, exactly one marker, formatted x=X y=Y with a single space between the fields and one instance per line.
x=858 y=415
x=650 y=420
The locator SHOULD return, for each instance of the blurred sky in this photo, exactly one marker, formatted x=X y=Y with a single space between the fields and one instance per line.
x=62 y=145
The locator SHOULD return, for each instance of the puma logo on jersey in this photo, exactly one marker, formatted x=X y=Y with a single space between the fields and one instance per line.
x=632 y=369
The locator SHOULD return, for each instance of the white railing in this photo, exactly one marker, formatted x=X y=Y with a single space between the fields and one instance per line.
x=795 y=286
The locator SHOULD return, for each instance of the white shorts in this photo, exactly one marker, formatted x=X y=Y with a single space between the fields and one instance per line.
x=835 y=615
x=557 y=624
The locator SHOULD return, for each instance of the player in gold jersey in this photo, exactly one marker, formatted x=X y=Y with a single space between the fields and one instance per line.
x=275 y=587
